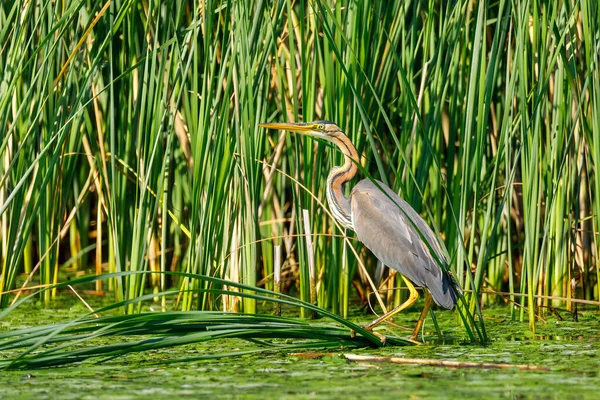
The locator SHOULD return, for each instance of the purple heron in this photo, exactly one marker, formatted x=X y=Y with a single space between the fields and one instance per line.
x=386 y=224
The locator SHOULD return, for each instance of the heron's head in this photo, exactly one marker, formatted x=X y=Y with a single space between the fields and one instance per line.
x=320 y=129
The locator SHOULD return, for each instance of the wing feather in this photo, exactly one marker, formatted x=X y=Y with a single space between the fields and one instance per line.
x=388 y=225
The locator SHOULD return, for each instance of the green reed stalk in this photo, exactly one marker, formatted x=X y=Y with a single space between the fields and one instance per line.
x=140 y=121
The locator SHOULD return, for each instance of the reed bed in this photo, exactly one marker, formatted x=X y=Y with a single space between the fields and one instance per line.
x=129 y=143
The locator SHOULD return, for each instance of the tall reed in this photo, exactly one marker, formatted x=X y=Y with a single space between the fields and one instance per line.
x=129 y=142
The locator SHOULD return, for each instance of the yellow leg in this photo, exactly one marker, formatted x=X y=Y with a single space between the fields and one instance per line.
x=428 y=301
x=413 y=296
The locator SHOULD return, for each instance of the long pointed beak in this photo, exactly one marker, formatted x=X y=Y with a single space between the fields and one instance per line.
x=289 y=126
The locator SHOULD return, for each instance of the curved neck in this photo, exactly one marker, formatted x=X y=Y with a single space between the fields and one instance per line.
x=338 y=203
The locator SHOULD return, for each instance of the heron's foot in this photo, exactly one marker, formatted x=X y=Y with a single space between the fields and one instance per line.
x=369 y=327
x=413 y=339
x=380 y=336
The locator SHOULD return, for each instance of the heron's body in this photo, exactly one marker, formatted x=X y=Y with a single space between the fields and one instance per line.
x=384 y=222
x=397 y=243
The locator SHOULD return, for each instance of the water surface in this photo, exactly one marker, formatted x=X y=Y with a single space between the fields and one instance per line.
x=570 y=349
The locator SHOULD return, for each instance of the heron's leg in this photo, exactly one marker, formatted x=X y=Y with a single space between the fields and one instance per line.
x=413 y=296
x=428 y=301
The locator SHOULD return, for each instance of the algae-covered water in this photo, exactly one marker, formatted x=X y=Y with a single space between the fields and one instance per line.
x=570 y=350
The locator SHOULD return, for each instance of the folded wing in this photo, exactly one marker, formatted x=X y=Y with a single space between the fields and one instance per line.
x=390 y=228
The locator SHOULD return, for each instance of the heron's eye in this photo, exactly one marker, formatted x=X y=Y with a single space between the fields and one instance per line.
x=322 y=127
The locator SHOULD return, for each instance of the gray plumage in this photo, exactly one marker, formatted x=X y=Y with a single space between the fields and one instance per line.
x=382 y=224
x=385 y=223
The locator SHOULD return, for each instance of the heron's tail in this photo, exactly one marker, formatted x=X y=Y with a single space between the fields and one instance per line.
x=445 y=294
